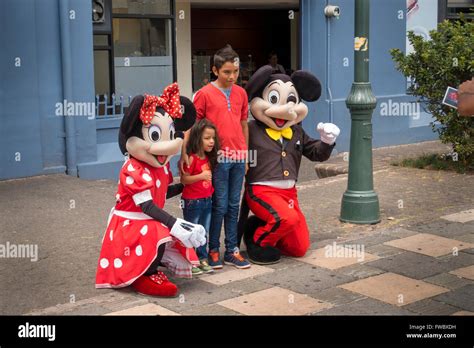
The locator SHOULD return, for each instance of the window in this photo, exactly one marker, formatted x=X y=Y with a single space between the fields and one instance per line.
x=141 y=7
x=454 y=7
x=137 y=37
x=143 y=46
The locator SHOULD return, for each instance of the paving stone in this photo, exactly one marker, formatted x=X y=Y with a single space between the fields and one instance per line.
x=119 y=305
x=429 y=244
x=212 y=309
x=465 y=272
x=232 y=274
x=318 y=244
x=468 y=251
x=382 y=251
x=463 y=313
x=285 y=263
x=430 y=307
x=394 y=289
x=86 y=309
x=196 y=293
x=338 y=255
x=447 y=280
x=366 y=306
x=360 y=271
x=146 y=309
x=53 y=310
x=374 y=239
x=461 y=297
x=463 y=216
x=398 y=232
x=275 y=301
x=338 y=296
x=306 y=279
x=444 y=228
x=410 y=264
x=319 y=237
x=469 y=238
x=452 y=262
x=104 y=303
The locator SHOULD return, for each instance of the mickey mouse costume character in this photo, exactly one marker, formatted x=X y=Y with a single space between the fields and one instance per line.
x=278 y=226
x=140 y=235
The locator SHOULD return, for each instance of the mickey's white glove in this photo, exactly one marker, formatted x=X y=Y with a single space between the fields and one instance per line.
x=328 y=132
x=191 y=235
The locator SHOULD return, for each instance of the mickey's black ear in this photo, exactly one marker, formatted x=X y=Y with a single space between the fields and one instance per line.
x=258 y=81
x=189 y=115
x=130 y=121
x=307 y=85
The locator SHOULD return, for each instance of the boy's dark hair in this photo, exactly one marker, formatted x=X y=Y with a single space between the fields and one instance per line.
x=224 y=55
x=195 y=141
x=271 y=54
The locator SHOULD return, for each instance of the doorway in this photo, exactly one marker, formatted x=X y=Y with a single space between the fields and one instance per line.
x=253 y=33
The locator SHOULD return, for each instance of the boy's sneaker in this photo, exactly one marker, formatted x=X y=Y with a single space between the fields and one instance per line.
x=214 y=260
x=204 y=266
x=235 y=259
x=196 y=271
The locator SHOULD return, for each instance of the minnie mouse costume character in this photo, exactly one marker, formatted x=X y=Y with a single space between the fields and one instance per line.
x=278 y=226
x=140 y=235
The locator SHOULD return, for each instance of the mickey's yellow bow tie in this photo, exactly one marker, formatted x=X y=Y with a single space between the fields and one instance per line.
x=276 y=134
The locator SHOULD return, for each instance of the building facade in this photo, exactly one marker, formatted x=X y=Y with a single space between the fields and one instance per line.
x=69 y=67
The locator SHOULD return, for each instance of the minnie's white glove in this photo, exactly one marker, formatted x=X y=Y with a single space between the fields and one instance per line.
x=329 y=132
x=191 y=235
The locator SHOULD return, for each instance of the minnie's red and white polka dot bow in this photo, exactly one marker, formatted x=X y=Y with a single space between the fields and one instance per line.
x=169 y=101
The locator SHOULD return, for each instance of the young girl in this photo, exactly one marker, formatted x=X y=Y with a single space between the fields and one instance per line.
x=202 y=150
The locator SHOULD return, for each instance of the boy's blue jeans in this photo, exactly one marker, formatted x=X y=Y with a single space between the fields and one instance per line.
x=227 y=179
x=198 y=211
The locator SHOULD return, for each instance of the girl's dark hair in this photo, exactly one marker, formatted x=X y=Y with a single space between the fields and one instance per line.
x=224 y=55
x=194 y=144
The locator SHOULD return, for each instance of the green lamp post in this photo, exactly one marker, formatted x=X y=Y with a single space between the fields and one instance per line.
x=360 y=203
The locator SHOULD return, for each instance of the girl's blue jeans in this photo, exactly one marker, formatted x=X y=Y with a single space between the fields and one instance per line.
x=198 y=211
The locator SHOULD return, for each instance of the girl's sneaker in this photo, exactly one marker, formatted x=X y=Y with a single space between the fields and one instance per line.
x=204 y=266
x=214 y=260
x=196 y=271
x=235 y=259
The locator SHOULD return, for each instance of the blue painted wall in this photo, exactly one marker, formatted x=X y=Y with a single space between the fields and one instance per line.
x=328 y=42
x=32 y=135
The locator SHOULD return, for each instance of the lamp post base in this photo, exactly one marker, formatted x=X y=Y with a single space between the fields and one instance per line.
x=360 y=207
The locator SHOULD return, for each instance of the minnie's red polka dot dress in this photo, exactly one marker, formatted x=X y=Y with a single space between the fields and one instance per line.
x=132 y=238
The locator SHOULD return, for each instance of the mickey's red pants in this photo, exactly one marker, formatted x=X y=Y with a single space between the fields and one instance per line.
x=285 y=227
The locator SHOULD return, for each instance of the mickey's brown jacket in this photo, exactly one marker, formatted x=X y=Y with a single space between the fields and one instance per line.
x=271 y=160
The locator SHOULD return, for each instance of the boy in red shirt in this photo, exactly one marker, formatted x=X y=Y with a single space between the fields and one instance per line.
x=225 y=104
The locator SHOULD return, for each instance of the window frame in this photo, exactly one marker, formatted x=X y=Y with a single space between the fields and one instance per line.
x=110 y=48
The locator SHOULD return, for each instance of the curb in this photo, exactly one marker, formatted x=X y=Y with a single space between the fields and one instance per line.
x=328 y=170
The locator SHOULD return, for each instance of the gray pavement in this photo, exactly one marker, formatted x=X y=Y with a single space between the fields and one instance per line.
x=420 y=252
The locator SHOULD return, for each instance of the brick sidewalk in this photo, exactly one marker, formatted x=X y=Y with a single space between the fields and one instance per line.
x=403 y=271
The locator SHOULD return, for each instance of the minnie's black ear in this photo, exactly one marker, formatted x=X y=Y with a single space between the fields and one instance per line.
x=189 y=115
x=307 y=85
x=258 y=81
x=131 y=124
x=122 y=142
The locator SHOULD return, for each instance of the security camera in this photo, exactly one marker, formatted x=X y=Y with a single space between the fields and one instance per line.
x=332 y=11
